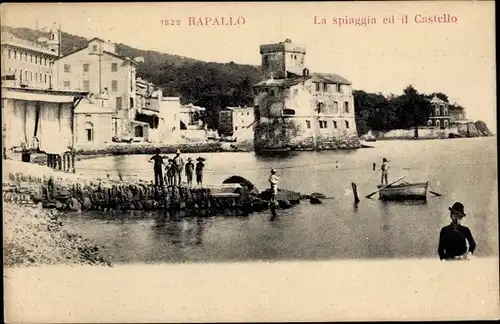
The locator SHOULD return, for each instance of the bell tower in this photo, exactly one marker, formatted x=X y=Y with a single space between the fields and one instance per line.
x=54 y=42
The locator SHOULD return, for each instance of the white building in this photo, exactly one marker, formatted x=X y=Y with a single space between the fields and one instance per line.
x=237 y=122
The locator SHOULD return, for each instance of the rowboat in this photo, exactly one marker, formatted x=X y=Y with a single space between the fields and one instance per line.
x=404 y=191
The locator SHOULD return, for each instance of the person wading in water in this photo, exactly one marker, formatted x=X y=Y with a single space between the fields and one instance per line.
x=273 y=182
x=453 y=238
x=189 y=172
x=158 y=164
x=385 y=172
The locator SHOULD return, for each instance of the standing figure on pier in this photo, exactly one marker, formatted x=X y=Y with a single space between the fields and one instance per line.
x=168 y=172
x=158 y=164
x=385 y=171
x=178 y=166
x=189 y=172
x=199 y=171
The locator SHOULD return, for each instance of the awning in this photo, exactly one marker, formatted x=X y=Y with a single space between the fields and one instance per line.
x=33 y=96
x=148 y=112
x=91 y=108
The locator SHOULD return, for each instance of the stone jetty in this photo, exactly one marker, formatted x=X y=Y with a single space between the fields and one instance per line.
x=70 y=193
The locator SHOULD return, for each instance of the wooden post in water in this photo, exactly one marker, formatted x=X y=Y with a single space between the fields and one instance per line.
x=355 y=191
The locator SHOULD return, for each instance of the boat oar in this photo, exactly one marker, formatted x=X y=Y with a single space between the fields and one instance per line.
x=369 y=196
x=435 y=193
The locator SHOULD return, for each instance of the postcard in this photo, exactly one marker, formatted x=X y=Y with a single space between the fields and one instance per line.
x=263 y=162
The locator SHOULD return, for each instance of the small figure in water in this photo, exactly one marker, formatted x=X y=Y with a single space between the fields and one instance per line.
x=453 y=238
x=336 y=164
x=199 y=171
x=385 y=172
x=273 y=182
x=374 y=166
x=158 y=163
x=189 y=172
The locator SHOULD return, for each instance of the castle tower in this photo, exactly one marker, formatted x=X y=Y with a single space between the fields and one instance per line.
x=283 y=57
x=54 y=41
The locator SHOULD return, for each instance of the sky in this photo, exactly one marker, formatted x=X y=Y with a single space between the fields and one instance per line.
x=455 y=58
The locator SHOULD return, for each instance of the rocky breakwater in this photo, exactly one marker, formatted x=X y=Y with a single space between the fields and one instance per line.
x=73 y=194
x=34 y=236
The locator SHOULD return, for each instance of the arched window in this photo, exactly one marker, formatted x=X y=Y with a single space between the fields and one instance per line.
x=438 y=124
x=320 y=107
x=446 y=123
x=89 y=132
x=437 y=111
x=429 y=123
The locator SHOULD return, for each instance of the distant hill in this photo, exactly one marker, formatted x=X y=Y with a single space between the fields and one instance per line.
x=207 y=84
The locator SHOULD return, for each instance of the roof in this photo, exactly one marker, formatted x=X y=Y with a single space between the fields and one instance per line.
x=315 y=77
x=329 y=78
x=12 y=40
x=124 y=58
x=41 y=94
x=91 y=108
x=288 y=82
x=238 y=108
x=435 y=99
x=453 y=107
x=99 y=39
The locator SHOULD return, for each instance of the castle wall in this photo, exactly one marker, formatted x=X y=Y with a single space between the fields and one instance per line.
x=305 y=128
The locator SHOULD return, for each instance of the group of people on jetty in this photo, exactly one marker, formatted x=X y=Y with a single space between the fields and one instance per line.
x=174 y=168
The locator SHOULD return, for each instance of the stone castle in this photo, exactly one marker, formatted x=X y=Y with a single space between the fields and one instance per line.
x=299 y=110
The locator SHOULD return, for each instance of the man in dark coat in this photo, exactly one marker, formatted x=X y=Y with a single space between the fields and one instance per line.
x=158 y=164
x=454 y=237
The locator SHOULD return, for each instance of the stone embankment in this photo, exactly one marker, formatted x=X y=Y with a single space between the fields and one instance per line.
x=68 y=192
x=34 y=236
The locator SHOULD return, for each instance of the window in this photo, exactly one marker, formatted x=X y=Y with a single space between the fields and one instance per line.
x=89 y=132
x=45 y=79
x=114 y=86
x=308 y=124
x=346 y=124
x=438 y=123
x=50 y=80
x=445 y=112
x=236 y=128
x=15 y=55
x=85 y=68
x=437 y=111
x=138 y=131
x=86 y=85
x=338 y=87
x=334 y=124
x=429 y=123
x=10 y=54
x=325 y=87
x=317 y=86
x=118 y=103
x=346 y=106
x=131 y=102
x=45 y=62
x=20 y=75
x=66 y=84
x=295 y=91
x=265 y=61
x=114 y=67
x=445 y=123
x=323 y=124
x=31 y=76
x=272 y=93
x=94 y=48
x=36 y=77
x=320 y=107
x=67 y=68
x=31 y=58
x=335 y=107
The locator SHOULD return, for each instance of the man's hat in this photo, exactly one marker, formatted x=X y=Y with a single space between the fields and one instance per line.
x=157 y=151
x=458 y=208
x=189 y=159
x=200 y=159
x=384 y=160
x=178 y=151
x=273 y=171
